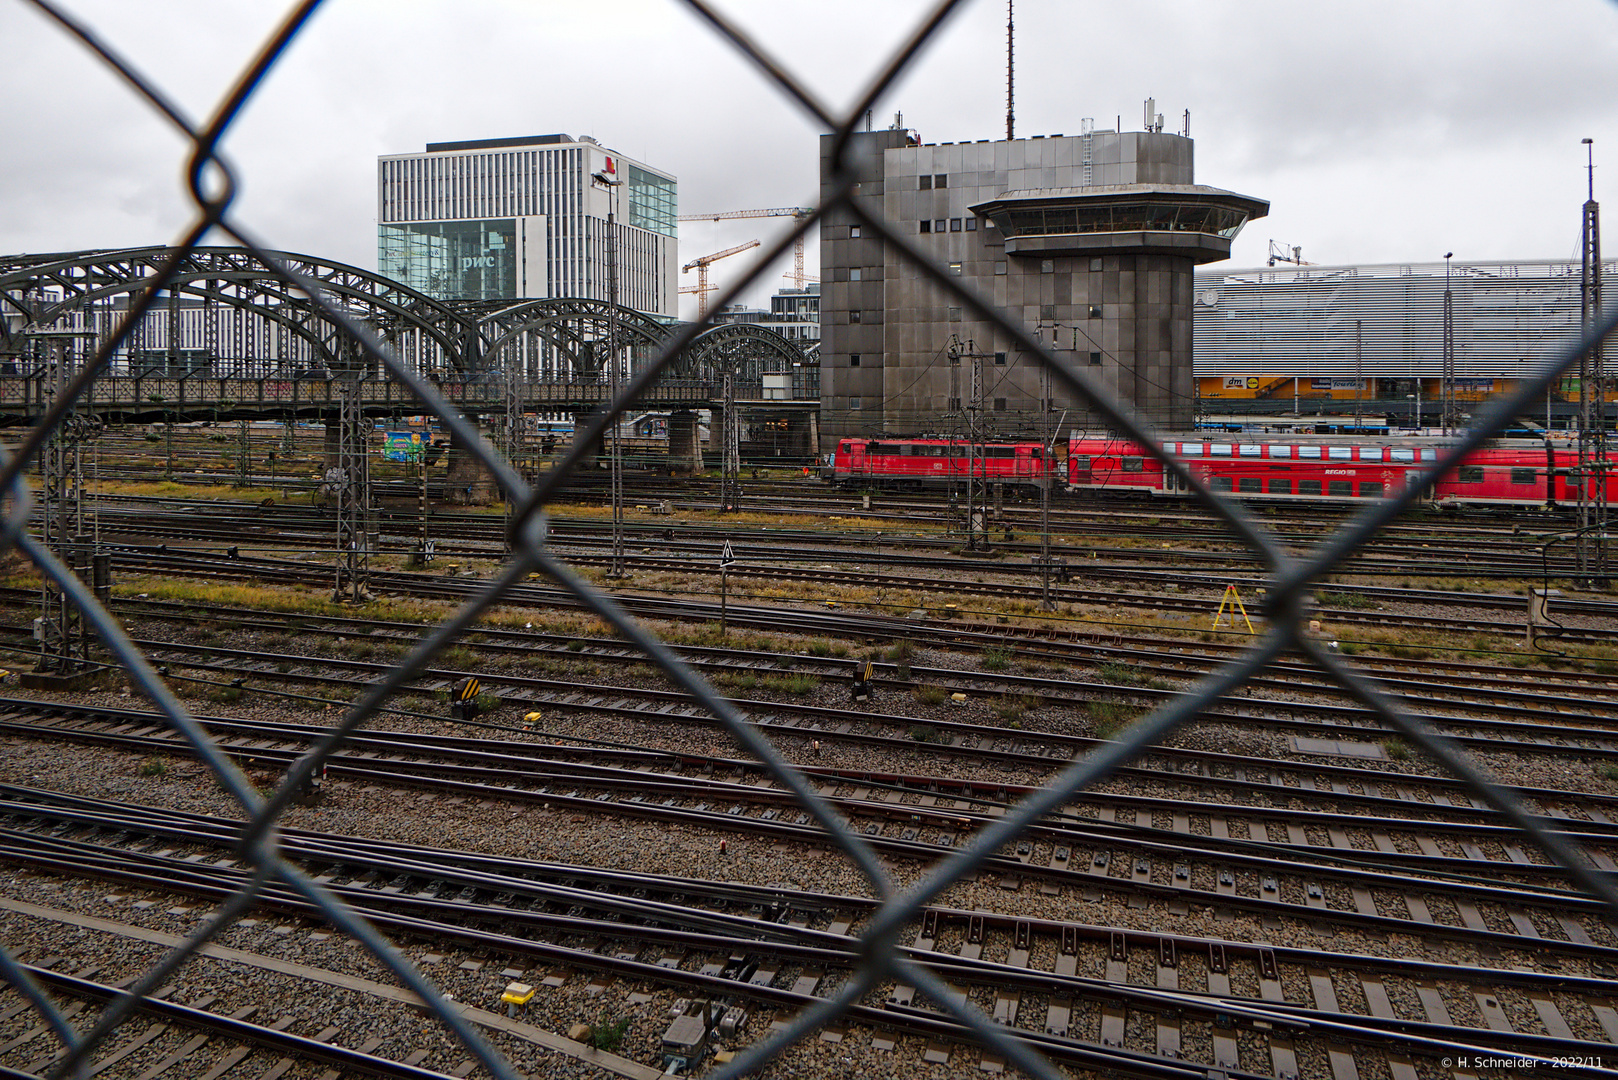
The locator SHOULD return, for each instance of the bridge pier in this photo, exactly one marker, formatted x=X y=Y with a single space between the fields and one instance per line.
x=685 y=442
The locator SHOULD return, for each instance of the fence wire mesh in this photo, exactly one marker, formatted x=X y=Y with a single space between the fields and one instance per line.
x=212 y=184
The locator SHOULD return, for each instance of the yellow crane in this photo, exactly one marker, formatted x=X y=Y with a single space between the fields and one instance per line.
x=701 y=264
x=794 y=212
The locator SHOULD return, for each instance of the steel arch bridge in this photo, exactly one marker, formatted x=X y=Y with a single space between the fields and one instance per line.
x=227 y=313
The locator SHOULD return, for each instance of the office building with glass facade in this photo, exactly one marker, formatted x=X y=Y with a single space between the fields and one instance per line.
x=526 y=218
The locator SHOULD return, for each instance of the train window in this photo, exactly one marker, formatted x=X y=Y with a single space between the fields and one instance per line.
x=1404 y=455
x=1000 y=451
x=1249 y=484
x=1308 y=487
x=1191 y=449
x=1523 y=476
x=883 y=448
x=1081 y=464
x=1280 y=451
x=1370 y=489
x=1247 y=450
x=1219 y=483
x=1036 y=452
x=1344 y=488
x=910 y=450
x=1281 y=487
x=1470 y=474
x=1219 y=449
x=1131 y=464
x=1309 y=451
x=1340 y=453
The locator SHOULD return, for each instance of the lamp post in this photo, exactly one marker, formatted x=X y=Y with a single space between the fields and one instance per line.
x=613 y=450
x=1446 y=388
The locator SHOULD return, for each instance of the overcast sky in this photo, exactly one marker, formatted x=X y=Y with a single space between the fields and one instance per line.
x=1379 y=130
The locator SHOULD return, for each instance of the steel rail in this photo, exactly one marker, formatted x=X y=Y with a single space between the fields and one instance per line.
x=1404 y=1034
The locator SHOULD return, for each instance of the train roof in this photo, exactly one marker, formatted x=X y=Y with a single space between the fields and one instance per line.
x=1294 y=439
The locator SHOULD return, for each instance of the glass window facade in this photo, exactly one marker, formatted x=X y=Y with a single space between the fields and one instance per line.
x=1119 y=217
x=653 y=205
x=455 y=260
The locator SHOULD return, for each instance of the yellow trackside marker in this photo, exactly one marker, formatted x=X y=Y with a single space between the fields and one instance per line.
x=468 y=690
x=1233 y=600
x=517 y=994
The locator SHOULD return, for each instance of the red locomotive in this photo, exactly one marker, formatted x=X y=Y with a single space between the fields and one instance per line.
x=924 y=463
x=1519 y=472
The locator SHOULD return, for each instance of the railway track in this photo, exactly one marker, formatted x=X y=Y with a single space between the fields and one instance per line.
x=1145 y=1003
x=206 y=563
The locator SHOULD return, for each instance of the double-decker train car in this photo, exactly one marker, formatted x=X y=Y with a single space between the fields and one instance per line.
x=934 y=463
x=1516 y=472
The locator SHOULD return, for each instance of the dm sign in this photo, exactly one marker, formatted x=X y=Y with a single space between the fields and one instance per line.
x=401 y=446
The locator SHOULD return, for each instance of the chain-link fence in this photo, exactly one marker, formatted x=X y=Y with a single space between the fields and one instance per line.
x=212 y=187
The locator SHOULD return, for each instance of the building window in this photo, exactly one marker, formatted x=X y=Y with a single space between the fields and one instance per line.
x=938 y=224
x=1095 y=359
x=971 y=224
x=854 y=316
x=854 y=402
x=853 y=232
x=999 y=268
x=954 y=224
x=853 y=359
x=853 y=273
x=954 y=404
x=955 y=268
x=1095 y=265
x=927 y=182
x=940 y=180
x=1095 y=311
x=927 y=225
x=1000 y=359
x=999 y=404
x=1047 y=266
x=954 y=314
x=1047 y=311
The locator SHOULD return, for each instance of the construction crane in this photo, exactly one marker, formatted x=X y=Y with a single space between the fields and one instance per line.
x=1282 y=253
x=702 y=288
x=794 y=212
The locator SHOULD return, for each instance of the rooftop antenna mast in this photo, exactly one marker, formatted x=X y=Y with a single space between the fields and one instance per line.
x=1009 y=71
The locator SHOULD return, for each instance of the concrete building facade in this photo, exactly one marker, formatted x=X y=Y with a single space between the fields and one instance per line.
x=1088 y=240
x=524 y=218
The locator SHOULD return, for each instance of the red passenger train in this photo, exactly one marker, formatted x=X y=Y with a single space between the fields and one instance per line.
x=1515 y=472
x=924 y=463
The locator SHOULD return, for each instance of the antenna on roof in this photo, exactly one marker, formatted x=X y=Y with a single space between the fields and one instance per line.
x=1009 y=71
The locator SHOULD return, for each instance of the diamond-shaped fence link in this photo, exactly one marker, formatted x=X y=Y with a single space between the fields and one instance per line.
x=212 y=185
